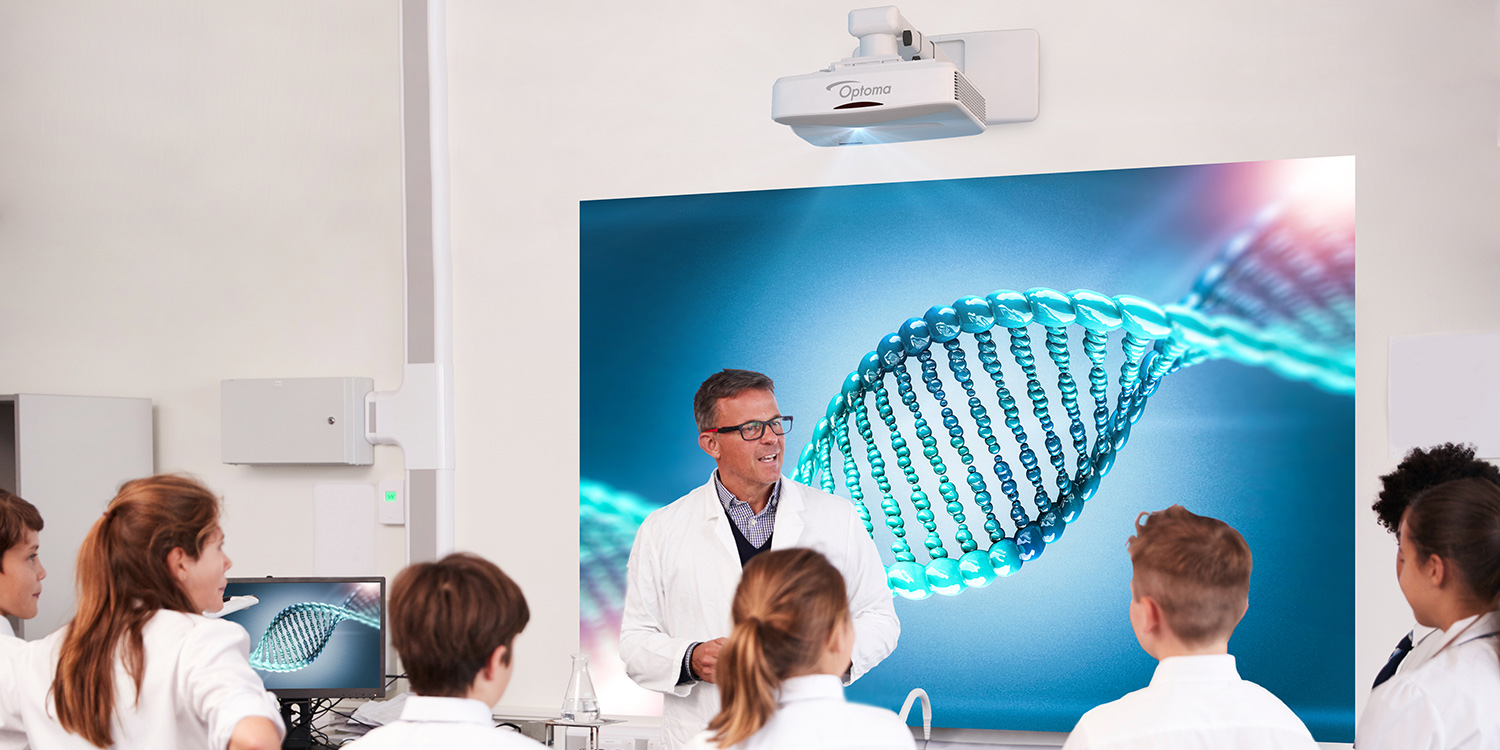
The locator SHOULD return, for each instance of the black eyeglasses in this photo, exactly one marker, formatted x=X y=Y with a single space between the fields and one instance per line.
x=753 y=430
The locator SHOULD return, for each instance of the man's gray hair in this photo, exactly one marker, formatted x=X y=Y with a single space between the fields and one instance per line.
x=725 y=384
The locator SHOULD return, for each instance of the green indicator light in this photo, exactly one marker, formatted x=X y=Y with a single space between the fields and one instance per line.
x=390 y=496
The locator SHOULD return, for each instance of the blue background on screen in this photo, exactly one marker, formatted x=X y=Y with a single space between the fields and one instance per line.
x=801 y=283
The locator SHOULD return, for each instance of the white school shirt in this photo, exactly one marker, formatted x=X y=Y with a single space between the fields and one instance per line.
x=197 y=686
x=1193 y=702
x=9 y=643
x=684 y=568
x=11 y=737
x=1423 y=646
x=443 y=724
x=811 y=714
x=1445 y=696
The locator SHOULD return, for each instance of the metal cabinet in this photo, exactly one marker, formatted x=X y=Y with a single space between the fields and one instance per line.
x=68 y=455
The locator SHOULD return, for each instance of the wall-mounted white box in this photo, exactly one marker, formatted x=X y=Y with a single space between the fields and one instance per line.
x=295 y=421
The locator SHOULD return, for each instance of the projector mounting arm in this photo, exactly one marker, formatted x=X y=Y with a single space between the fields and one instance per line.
x=883 y=32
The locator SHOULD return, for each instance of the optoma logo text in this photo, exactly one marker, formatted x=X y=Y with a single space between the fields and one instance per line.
x=851 y=89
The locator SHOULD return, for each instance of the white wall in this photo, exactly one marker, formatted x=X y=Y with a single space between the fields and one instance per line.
x=190 y=192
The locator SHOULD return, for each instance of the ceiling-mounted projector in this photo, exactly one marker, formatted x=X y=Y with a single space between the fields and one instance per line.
x=903 y=86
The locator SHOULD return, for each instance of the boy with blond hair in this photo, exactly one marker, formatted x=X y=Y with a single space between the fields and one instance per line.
x=1190 y=589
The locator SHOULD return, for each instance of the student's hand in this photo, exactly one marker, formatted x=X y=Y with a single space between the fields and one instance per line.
x=255 y=733
x=706 y=659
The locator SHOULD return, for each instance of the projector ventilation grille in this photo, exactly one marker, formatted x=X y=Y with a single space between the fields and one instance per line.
x=965 y=94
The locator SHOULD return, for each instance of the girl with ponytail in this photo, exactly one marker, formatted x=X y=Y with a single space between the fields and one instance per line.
x=1445 y=693
x=139 y=666
x=779 y=671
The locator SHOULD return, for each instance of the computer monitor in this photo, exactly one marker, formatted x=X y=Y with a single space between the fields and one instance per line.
x=315 y=637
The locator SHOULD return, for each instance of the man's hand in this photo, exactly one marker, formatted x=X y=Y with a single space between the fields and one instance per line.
x=706 y=659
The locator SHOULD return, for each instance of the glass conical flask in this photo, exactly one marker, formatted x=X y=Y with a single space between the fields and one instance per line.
x=580 y=703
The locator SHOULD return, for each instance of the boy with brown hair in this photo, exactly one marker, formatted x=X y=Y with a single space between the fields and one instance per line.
x=1190 y=589
x=21 y=570
x=453 y=622
x=21 y=575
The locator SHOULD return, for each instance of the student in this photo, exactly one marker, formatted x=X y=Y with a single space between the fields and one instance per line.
x=453 y=622
x=139 y=666
x=1422 y=469
x=780 y=671
x=1446 y=693
x=21 y=570
x=21 y=575
x=688 y=556
x=1190 y=589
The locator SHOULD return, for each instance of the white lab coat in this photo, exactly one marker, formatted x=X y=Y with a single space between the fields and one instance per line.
x=1446 y=695
x=1193 y=703
x=197 y=686
x=444 y=724
x=684 y=568
x=811 y=714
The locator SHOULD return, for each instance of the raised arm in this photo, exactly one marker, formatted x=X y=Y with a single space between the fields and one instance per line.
x=255 y=733
x=216 y=684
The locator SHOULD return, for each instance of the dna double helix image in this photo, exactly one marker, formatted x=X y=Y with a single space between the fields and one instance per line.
x=1264 y=302
x=998 y=375
x=299 y=633
x=604 y=548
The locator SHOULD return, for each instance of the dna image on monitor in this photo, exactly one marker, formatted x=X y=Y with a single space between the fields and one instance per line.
x=999 y=374
x=315 y=637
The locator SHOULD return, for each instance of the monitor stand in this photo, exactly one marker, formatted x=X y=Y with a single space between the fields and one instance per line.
x=298 y=717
